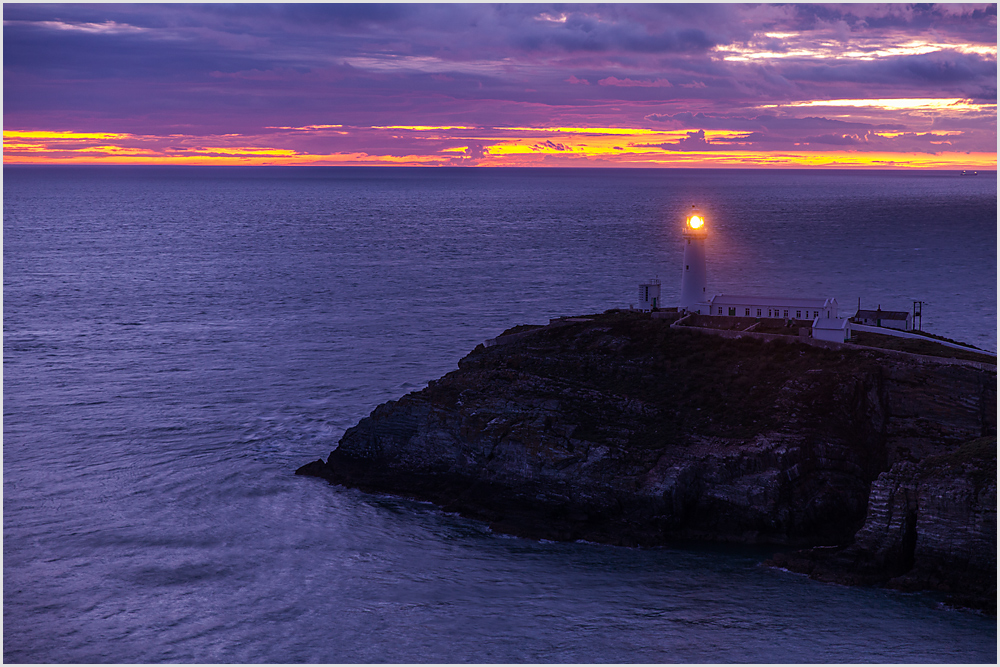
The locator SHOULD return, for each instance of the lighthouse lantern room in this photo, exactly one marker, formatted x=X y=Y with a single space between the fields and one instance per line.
x=694 y=279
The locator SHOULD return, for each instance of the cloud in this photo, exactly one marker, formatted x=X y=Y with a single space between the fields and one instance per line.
x=834 y=140
x=476 y=151
x=582 y=31
x=212 y=70
x=943 y=70
x=499 y=147
x=551 y=145
x=686 y=119
x=630 y=83
x=694 y=141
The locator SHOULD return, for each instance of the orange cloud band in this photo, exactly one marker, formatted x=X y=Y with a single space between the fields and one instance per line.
x=427 y=145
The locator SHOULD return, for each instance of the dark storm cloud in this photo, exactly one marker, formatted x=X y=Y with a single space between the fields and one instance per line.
x=968 y=20
x=370 y=15
x=587 y=35
x=192 y=38
x=944 y=68
x=940 y=70
x=235 y=17
x=89 y=55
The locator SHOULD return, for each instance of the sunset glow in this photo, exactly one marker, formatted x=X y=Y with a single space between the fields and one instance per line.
x=519 y=85
x=922 y=104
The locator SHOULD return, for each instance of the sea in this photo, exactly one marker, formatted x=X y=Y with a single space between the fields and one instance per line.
x=178 y=340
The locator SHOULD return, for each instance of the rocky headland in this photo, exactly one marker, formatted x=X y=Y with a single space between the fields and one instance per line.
x=867 y=466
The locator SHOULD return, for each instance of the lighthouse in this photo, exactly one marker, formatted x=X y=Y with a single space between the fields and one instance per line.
x=694 y=279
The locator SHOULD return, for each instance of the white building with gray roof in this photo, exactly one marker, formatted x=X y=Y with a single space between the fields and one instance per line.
x=786 y=308
x=894 y=319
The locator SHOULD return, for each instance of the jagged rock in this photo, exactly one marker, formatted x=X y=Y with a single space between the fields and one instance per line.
x=620 y=429
x=930 y=525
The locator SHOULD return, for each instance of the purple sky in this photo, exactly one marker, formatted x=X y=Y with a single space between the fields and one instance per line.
x=695 y=82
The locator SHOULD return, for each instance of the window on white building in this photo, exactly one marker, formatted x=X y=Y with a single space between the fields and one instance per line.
x=786 y=313
x=798 y=314
x=748 y=312
x=758 y=312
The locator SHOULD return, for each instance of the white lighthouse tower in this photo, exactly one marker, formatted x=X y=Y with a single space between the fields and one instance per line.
x=694 y=279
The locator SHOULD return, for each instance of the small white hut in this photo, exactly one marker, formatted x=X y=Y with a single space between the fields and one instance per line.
x=649 y=294
x=832 y=329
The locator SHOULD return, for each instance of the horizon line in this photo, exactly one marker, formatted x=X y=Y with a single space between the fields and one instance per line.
x=369 y=165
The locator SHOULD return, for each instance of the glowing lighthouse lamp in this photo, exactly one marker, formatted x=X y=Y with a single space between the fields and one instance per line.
x=694 y=279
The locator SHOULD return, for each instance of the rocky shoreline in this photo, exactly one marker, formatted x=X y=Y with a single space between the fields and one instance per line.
x=865 y=467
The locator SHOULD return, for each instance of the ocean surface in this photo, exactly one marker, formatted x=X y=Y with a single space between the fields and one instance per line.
x=177 y=341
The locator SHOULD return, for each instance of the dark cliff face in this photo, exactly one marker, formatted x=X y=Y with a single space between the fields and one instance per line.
x=930 y=525
x=623 y=430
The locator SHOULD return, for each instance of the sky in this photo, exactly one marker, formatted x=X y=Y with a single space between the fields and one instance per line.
x=580 y=85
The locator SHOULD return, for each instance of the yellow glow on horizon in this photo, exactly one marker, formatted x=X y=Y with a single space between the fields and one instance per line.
x=582 y=130
x=422 y=128
x=593 y=147
x=12 y=146
x=523 y=149
x=616 y=131
x=269 y=152
x=604 y=145
x=735 y=159
x=44 y=134
x=706 y=159
x=303 y=128
x=151 y=158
